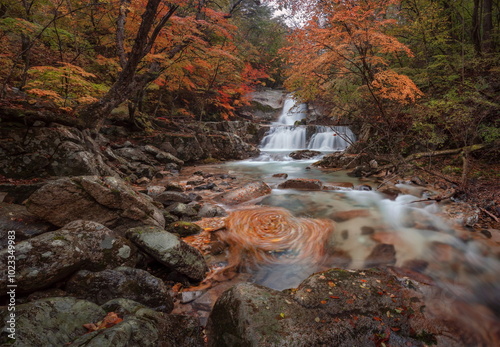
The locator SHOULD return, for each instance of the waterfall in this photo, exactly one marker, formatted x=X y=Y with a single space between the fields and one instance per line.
x=286 y=135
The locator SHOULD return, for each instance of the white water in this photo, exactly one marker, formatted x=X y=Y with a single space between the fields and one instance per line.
x=467 y=270
x=286 y=135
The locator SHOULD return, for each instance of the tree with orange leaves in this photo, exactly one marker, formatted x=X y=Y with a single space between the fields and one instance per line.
x=342 y=55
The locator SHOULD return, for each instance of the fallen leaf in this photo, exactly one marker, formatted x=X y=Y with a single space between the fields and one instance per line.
x=110 y=320
x=377 y=318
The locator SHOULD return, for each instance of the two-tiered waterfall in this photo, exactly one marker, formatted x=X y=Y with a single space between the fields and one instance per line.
x=288 y=134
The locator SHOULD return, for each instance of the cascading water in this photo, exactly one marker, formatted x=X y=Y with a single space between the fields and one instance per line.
x=286 y=135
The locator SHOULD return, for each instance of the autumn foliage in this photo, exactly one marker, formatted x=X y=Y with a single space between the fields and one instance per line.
x=188 y=56
x=343 y=54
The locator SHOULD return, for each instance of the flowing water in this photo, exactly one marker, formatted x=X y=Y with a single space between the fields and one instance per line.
x=291 y=233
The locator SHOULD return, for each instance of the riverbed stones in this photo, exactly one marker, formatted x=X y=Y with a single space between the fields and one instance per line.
x=53 y=256
x=249 y=191
x=302 y=184
x=121 y=282
x=106 y=200
x=170 y=250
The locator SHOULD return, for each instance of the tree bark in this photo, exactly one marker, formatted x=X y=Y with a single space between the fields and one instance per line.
x=128 y=80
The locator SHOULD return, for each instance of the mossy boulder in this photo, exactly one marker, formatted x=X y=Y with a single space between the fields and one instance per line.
x=170 y=250
x=121 y=282
x=53 y=256
x=184 y=229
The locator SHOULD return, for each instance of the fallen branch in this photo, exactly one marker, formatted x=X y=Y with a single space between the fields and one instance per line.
x=490 y=214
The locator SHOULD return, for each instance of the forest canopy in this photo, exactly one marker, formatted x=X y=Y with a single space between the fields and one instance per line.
x=408 y=74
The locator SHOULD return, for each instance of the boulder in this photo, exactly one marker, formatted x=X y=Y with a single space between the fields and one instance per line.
x=183 y=211
x=59 y=322
x=25 y=225
x=210 y=210
x=50 y=151
x=51 y=257
x=121 y=282
x=106 y=200
x=281 y=175
x=339 y=308
x=249 y=191
x=183 y=228
x=304 y=154
x=170 y=250
x=52 y=321
x=146 y=328
x=302 y=184
x=169 y=197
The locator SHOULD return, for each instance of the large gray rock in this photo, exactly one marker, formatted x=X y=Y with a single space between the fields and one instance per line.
x=170 y=250
x=169 y=197
x=52 y=321
x=50 y=151
x=51 y=257
x=59 y=322
x=24 y=224
x=249 y=191
x=146 y=328
x=338 y=308
x=122 y=282
x=107 y=200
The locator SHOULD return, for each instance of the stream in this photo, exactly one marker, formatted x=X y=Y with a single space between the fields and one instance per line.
x=370 y=229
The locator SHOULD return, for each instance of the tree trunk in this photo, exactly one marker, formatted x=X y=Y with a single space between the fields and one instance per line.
x=128 y=81
x=487 y=26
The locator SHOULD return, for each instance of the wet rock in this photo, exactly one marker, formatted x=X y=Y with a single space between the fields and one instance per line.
x=207 y=186
x=304 y=154
x=249 y=191
x=183 y=228
x=338 y=186
x=122 y=282
x=107 y=200
x=169 y=197
x=182 y=211
x=24 y=224
x=390 y=193
x=363 y=187
x=51 y=257
x=342 y=216
x=281 y=175
x=52 y=321
x=169 y=218
x=381 y=255
x=302 y=184
x=337 y=308
x=170 y=250
x=209 y=211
